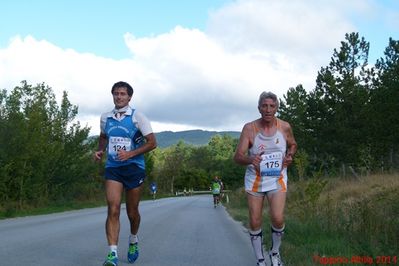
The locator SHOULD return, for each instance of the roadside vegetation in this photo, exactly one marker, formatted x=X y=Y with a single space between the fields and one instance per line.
x=335 y=218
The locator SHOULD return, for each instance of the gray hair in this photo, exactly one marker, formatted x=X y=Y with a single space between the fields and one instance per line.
x=268 y=95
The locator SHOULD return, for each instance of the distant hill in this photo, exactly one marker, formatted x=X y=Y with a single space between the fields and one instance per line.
x=194 y=137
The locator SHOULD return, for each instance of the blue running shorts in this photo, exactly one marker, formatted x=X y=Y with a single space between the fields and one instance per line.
x=131 y=176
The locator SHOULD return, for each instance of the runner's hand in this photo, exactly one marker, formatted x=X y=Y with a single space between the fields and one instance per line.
x=124 y=155
x=98 y=155
x=288 y=159
x=256 y=161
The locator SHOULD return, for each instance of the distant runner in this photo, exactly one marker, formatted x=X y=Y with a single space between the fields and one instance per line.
x=216 y=188
x=266 y=146
x=153 y=188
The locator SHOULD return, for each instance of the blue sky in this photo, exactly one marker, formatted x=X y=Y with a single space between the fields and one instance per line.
x=193 y=64
x=98 y=26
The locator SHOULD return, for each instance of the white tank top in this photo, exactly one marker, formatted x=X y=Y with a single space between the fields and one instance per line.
x=273 y=173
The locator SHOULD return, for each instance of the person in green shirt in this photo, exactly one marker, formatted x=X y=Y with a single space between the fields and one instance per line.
x=216 y=187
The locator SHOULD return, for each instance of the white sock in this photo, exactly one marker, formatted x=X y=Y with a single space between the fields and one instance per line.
x=256 y=240
x=277 y=235
x=114 y=248
x=133 y=239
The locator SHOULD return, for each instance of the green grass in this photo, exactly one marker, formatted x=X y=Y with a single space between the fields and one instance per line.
x=334 y=218
x=12 y=209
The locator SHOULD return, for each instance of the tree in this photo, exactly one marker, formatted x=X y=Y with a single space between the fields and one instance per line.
x=294 y=109
x=175 y=164
x=384 y=107
x=337 y=105
x=45 y=155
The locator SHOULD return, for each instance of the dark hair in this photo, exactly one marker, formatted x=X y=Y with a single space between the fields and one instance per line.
x=122 y=84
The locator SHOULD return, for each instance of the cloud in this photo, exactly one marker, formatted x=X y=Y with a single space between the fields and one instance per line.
x=197 y=81
x=188 y=78
x=299 y=30
x=87 y=78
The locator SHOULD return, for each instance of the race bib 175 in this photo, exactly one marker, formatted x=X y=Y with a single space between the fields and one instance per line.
x=271 y=164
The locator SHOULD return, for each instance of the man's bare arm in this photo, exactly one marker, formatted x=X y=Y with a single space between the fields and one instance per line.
x=102 y=142
x=291 y=144
x=241 y=155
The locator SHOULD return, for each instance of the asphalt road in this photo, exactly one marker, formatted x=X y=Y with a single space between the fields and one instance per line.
x=174 y=231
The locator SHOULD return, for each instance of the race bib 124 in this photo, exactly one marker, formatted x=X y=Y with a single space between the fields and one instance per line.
x=118 y=143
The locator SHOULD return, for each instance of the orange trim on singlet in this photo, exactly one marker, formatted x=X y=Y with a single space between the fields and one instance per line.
x=282 y=184
x=258 y=180
x=278 y=124
x=281 y=178
x=256 y=130
x=258 y=177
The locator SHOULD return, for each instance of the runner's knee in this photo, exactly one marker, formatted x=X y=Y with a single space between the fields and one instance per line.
x=278 y=222
x=113 y=211
x=255 y=223
x=133 y=213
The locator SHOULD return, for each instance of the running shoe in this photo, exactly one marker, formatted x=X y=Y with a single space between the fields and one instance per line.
x=112 y=259
x=133 y=252
x=276 y=259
